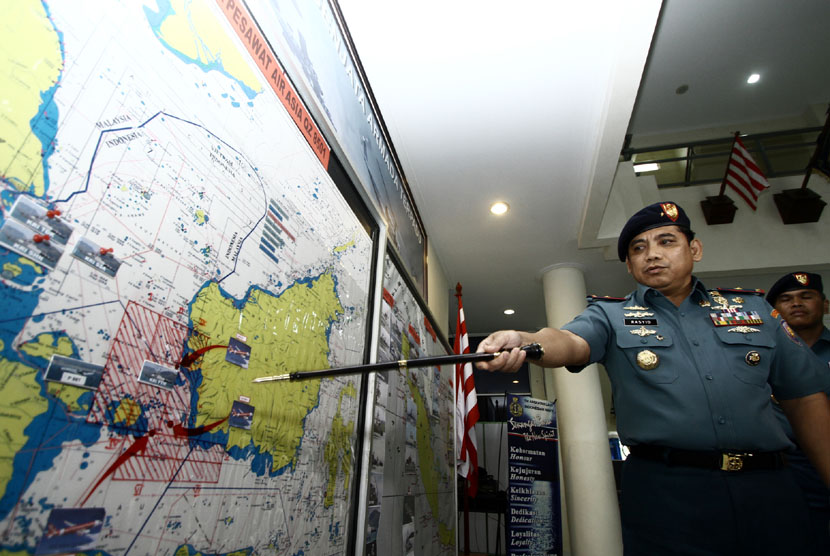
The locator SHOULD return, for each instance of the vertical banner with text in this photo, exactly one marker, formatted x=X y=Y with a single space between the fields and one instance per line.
x=534 y=522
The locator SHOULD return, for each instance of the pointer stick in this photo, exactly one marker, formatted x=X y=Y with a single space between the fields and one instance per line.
x=534 y=351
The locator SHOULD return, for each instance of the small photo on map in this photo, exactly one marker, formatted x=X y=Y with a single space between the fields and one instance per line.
x=378 y=452
x=238 y=353
x=74 y=372
x=411 y=461
x=381 y=391
x=21 y=240
x=101 y=260
x=70 y=530
x=37 y=217
x=242 y=416
x=158 y=375
x=375 y=494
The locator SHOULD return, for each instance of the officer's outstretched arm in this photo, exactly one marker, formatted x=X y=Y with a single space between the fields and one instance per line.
x=810 y=418
x=561 y=347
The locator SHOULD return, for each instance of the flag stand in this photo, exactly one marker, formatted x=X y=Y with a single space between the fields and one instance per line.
x=466 y=519
x=799 y=206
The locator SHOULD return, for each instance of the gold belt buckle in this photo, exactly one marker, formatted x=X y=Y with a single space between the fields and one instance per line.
x=732 y=462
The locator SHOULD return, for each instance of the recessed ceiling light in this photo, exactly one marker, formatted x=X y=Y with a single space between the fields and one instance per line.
x=509 y=311
x=646 y=167
x=515 y=382
x=499 y=208
x=754 y=78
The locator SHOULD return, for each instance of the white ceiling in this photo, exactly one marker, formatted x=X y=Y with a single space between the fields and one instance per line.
x=529 y=102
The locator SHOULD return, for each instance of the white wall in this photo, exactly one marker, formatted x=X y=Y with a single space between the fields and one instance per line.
x=438 y=291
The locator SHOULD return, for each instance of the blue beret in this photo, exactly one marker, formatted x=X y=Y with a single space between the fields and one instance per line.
x=794 y=281
x=652 y=216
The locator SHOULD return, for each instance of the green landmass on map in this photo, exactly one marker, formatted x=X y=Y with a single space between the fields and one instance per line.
x=26 y=73
x=22 y=402
x=286 y=333
x=337 y=451
x=427 y=461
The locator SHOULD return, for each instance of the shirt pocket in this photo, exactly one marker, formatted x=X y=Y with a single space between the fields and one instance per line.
x=747 y=356
x=640 y=352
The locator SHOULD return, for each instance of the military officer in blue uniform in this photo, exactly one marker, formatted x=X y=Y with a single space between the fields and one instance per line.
x=800 y=300
x=692 y=371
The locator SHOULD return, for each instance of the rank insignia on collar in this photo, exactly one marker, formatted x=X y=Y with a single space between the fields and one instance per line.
x=774 y=313
x=639 y=314
x=790 y=332
x=635 y=308
x=743 y=329
x=704 y=303
x=643 y=331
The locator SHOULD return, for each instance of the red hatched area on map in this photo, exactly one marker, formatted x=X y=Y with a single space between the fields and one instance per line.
x=153 y=415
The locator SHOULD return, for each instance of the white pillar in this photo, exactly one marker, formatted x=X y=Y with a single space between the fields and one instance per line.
x=589 y=487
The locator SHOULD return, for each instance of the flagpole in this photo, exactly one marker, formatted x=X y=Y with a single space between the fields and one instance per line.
x=461 y=334
x=728 y=160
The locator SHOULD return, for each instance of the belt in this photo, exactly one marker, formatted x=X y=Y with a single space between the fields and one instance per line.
x=725 y=461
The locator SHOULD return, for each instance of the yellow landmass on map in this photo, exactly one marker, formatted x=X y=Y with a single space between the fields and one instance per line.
x=25 y=73
x=127 y=413
x=200 y=217
x=338 y=451
x=285 y=333
x=12 y=270
x=22 y=402
x=37 y=268
x=44 y=346
x=194 y=30
x=427 y=463
x=344 y=247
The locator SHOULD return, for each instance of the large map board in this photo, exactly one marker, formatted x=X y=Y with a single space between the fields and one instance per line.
x=168 y=234
x=411 y=506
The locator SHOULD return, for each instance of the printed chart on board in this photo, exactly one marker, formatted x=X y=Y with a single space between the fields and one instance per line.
x=167 y=235
x=411 y=494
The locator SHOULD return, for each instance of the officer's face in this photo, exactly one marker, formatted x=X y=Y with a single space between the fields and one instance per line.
x=801 y=308
x=663 y=258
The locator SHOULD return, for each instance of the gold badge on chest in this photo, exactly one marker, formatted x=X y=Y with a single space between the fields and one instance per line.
x=752 y=358
x=648 y=360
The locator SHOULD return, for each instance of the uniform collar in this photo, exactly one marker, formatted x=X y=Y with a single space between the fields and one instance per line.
x=825 y=335
x=642 y=293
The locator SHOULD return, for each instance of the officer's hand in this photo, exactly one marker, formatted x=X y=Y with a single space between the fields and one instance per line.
x=507 y=342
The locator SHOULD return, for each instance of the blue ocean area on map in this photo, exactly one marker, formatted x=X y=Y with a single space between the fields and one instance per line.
x=27 y=275
x=44 y=125
x=19 y=307
x=156 y=19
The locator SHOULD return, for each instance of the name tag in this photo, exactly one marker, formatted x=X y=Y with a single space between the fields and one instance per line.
x=640 y=322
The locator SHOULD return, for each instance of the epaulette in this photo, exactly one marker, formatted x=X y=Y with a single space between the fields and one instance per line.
x=741 y=290
x=605 y=298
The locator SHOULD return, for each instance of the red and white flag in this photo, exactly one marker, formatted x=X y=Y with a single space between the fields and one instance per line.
x=466 y=407
x=743 y=175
